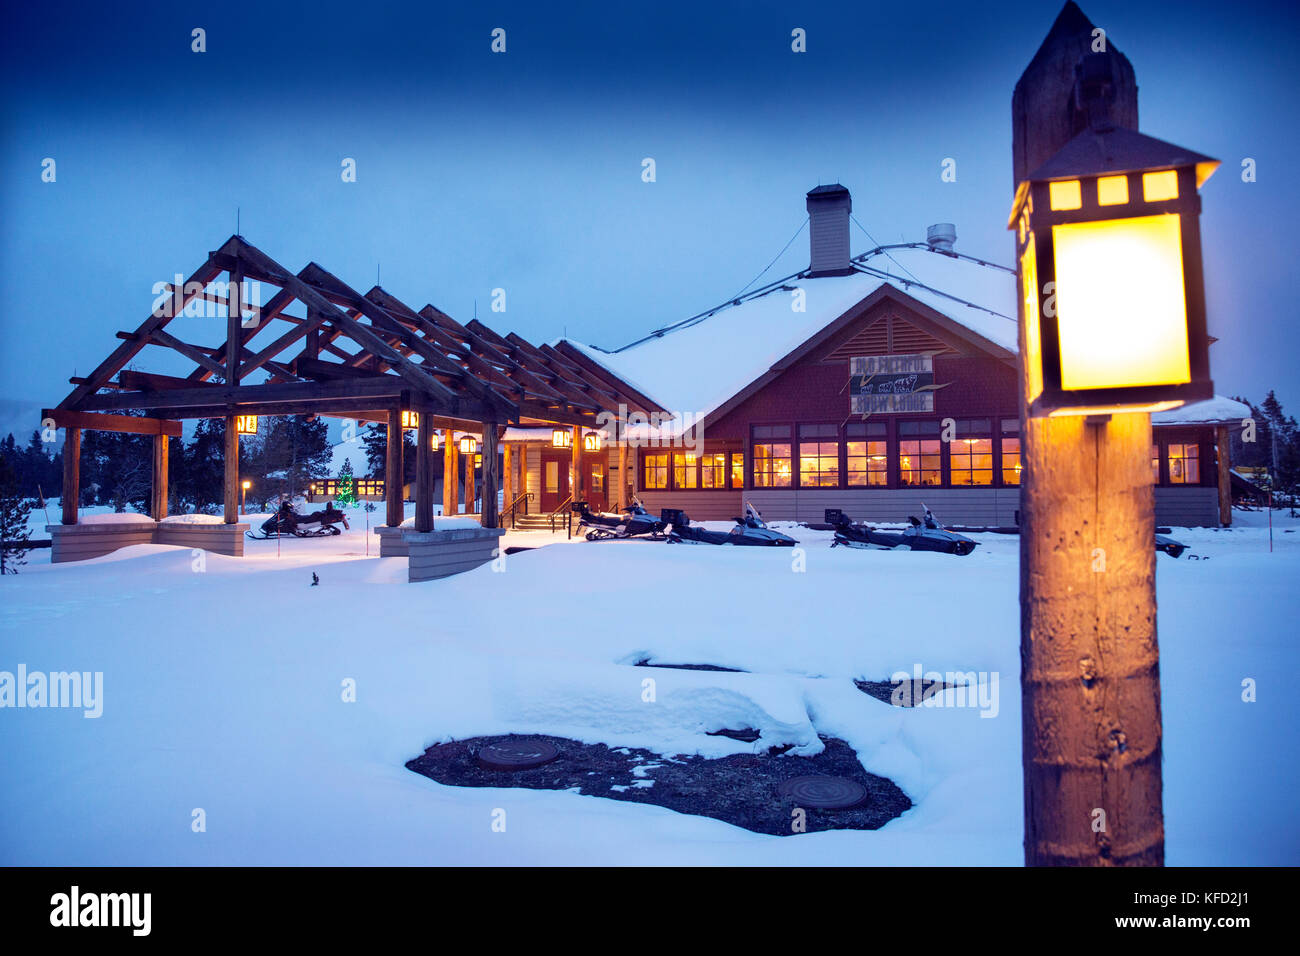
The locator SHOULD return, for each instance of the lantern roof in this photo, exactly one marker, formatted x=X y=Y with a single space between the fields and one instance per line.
x=1111 y=151
x=1120 y=150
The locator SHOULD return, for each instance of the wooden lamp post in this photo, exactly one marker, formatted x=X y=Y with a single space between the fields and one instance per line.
x=1112 y=326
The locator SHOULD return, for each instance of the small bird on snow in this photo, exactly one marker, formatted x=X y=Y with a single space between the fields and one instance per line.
x=314 y=580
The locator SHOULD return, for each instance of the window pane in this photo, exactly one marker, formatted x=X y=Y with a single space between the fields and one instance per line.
x=867 y=465
x=552 y=477
x=771 y=465
x=1184 y=464
x=1155 y=464
x=656 y=471
x=918 y=463
x=819 y=464
x=684 y=470
x=971 y=461
x=1011 y=461
x=713 y=470
x=737 y=469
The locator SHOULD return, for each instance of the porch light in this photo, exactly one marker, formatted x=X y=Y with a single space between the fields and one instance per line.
x=1112 y=291
x=245 y=424
x=410 y=420
x=590 y=442
x=468 y=445
x=434 y=443
x=561 y=438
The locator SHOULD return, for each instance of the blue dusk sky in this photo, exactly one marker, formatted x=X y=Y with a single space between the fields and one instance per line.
x=522 y=170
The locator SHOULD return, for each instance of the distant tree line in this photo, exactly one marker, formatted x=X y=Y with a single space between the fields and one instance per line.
x=1276 y=447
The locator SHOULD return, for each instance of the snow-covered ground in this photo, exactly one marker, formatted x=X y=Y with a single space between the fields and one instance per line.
x=224 y=682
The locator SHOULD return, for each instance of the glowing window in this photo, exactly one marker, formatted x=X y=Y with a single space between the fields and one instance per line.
x=655 y=473
x=1066 y=195
x=1160 y=186
x=1184 y=464
x=1112 y=190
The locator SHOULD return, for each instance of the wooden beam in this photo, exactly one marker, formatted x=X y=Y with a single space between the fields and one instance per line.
x=357 y=392
x=158 y=501
x=1224 y=448
x=621 y=498
x=152 y=382
x=194 y=353
x=508 y=476
x=234 y=321
x=575 y=451
x=129 y=349
x=490 y=512
x=393 y=469
x=131 y=424
x=231 y=482
x=71 y=473
x=450 y=478
x=424 y=475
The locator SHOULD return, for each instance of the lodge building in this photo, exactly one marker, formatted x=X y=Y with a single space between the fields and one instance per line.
x=874 y=383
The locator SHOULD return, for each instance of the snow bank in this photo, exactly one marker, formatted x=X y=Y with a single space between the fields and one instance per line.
x=115 y=518
x=194 y=519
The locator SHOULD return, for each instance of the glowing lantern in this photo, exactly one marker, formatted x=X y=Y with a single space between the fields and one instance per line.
x=410 y=420
x=433 y=442
x=1112 y=292
x=245 y=424
x=561 y=438
x=468 y=445
x=590 y=442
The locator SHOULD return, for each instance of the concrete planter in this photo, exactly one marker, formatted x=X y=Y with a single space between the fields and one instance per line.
x=79 y=542
x=391 y=544
x=439 y=554
x=217 y=538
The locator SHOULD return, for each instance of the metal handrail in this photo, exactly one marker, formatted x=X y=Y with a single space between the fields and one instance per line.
x=510 y=511
x=563 y=507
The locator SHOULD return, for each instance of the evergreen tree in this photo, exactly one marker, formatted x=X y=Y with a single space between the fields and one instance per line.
x=347 y=491
x=376 y=442
x=295 y=450
x=200 y=483
x=14 y=511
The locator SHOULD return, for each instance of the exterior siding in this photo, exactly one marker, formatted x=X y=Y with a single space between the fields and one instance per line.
x=698 y=505
x=1188 y=507
x=954 y=506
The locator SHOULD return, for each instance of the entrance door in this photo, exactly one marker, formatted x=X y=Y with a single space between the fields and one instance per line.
x=597 y=494
x=555 y=478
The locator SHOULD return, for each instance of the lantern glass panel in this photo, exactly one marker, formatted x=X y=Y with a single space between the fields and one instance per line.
x=1066 y=195
x=1121 y=311
x=1033 y=342
x=1157 y=187
x=1112 y=190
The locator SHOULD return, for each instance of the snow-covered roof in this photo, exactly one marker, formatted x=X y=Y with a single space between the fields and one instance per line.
x=1213 y=411
x=697 y=367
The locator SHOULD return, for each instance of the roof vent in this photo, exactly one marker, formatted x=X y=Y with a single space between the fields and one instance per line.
x=941 y=236
x=828 y=230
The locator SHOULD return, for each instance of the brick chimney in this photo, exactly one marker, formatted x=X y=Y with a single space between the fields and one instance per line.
x=828 y=230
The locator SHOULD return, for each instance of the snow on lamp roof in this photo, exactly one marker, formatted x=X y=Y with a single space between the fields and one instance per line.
x=697 y=366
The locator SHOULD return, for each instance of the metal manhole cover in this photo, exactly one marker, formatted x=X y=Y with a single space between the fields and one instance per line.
x=823 y=793
x=516 y=754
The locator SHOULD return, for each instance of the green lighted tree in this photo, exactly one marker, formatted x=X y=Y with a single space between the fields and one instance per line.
x=347 y=486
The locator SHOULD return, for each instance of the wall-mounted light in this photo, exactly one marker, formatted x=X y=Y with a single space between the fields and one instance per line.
x=434 y=443
x=245 y=424
x=410 y=419
x=561 y=438
x=1112 y=291
x=590 y=442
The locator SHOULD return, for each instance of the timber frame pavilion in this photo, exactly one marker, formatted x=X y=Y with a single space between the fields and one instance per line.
x=367 y=357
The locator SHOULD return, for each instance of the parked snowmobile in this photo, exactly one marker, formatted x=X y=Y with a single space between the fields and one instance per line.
x=286 y=522
x=634 y=522
x=1169 y=546
x=923 y=535
x=750 y=531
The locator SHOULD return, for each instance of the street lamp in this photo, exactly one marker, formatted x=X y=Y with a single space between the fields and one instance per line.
x=1113 y=297
x=243 y=495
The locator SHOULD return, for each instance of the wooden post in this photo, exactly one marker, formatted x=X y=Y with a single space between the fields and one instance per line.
x=1091 y=731
x=508 y=476
x=469 y=485
x=234 y=319
x=424 y=474
x=158 y=506
x=623 y=500
x=575 y=481
x=522 y=455
x=71 y=474
x=1223 y=445
x=232 y=472
x=450 y=478
x=491 y=512
x=393 y=474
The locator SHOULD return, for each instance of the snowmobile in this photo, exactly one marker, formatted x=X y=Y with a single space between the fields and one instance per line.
x=1169 y=546
x=634 y=522
x=922 y=535
x=286 y=522
x=750 y=531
